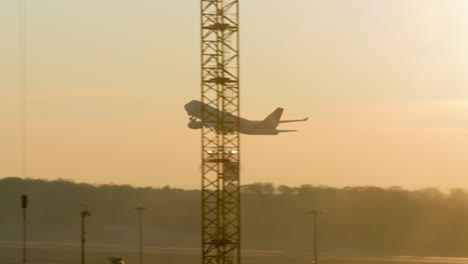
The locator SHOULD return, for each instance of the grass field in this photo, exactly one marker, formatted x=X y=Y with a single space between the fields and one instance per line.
x=10 y=253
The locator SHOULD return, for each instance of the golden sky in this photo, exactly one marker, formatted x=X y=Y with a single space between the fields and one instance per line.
x=384 y=83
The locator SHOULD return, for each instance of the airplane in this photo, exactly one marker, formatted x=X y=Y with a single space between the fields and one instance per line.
x=248 y=127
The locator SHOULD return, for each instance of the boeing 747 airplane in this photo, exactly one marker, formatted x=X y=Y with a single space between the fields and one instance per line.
x=249 y=127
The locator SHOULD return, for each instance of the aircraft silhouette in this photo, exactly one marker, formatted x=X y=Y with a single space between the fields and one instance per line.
x=213 y=116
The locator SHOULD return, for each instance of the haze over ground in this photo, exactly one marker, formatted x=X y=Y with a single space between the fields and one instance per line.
x=383 y=82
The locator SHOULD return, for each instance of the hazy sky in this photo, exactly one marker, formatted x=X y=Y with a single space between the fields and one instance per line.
x=384 y=83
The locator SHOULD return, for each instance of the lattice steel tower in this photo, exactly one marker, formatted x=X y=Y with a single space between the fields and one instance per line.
x=220 y=139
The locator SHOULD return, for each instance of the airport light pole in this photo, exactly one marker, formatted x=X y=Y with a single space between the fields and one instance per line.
x=140 y=209
x=84 y=214
x=315 y=212
x=24 y=205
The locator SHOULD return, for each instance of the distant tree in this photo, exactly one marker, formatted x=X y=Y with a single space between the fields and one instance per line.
x=362 y=219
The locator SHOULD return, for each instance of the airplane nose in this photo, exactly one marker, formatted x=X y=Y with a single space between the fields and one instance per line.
x=190 y=106
x=187 y=107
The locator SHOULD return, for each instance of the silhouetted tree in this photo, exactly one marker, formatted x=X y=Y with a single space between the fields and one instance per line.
x=355 y=220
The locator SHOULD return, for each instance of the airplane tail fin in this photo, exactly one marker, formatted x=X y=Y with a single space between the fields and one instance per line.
x=273 y=119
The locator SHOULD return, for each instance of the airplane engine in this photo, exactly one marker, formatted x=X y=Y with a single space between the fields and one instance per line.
x=195 y=124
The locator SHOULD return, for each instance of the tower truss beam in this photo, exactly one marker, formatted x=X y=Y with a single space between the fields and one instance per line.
x=221 y=143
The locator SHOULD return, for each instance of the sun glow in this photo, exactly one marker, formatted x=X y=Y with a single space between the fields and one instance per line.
x=462 y=103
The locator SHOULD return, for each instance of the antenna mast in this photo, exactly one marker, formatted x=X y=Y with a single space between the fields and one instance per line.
x=220 y=150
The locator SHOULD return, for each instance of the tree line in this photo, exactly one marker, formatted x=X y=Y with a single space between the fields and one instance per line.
x=355 y=220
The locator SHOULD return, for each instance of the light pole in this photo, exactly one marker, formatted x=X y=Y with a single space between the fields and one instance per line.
x=315 y=212
x=84 y=214
x=24 y=205
x=140 y=210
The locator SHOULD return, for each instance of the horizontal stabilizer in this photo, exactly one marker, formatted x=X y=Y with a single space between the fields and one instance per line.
x=295 y=120
x=283 y=131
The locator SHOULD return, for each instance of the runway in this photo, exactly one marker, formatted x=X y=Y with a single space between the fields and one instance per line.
x=55 y=253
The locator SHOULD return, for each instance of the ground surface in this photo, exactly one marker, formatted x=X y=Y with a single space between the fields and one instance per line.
x=38 y=253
